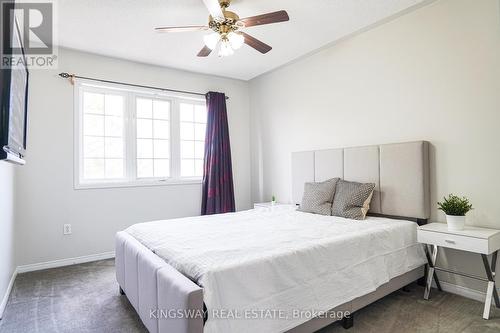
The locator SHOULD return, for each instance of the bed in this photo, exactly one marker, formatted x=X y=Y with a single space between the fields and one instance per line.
x=293 y=271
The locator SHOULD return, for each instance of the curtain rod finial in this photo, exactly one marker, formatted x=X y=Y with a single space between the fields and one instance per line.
x=71 y=77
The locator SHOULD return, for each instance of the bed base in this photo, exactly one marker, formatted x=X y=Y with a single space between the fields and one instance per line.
x=151 y=284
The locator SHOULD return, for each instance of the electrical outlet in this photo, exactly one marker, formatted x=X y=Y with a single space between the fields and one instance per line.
x=67 y=229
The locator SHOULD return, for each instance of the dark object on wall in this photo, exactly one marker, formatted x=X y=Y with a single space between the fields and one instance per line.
x=217 y=189
x=13 y=101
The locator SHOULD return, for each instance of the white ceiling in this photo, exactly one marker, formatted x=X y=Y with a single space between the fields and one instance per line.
x=124 y=29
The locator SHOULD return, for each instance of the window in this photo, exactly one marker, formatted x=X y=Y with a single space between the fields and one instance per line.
x=103 y=137
x=137 y=137
x=153 y=138
x=193 y=125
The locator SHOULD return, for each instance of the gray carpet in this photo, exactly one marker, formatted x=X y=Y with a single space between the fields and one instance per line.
x=85 y=298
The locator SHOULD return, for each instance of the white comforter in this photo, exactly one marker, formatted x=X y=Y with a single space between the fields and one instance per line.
x=280 y=261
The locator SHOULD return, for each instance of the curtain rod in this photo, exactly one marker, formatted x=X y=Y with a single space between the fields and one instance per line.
x=71 y=77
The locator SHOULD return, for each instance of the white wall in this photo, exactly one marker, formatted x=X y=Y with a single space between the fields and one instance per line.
x=432 y=74
x=7 y=264
x=45 y=195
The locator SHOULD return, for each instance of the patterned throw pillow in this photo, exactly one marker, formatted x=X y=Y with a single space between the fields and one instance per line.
x=352 y=200
x=318 y=197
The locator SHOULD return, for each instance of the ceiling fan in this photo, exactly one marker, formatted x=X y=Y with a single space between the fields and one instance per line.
x=226 y=27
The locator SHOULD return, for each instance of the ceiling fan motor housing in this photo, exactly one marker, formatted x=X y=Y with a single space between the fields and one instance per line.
x=229 y=24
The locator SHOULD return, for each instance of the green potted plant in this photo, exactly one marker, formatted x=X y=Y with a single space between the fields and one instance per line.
x=455 y=209
x=273 y=200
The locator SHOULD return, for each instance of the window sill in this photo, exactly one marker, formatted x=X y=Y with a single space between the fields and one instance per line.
x=145 y=183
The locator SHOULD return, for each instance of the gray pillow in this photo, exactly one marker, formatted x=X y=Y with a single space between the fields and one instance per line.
x=318 y=197
x=352 y=200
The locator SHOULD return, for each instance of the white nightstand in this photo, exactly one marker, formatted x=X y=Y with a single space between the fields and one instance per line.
x=270 y=206
x=472 y=239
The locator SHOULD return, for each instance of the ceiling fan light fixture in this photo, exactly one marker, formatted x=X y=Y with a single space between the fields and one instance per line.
x=236 y=40
x=211 y=40
x=226 y=36
x=225 y=48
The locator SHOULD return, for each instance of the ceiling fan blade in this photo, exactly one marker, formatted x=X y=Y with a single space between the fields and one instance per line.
x=182 y=29
x=205 y=52
x=275 y=17
x=256 y=44
x=214 y=9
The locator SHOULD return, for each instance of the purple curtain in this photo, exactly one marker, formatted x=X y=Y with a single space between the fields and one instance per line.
x=218 y=190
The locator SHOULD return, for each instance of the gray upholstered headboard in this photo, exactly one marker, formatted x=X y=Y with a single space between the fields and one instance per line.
x=400 y=172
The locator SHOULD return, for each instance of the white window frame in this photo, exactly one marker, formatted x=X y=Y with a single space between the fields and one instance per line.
x=130 y=95
x=178 y=144
x=132 y=137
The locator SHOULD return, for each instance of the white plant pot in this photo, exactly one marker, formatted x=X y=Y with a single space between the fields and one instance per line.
x=455 y=222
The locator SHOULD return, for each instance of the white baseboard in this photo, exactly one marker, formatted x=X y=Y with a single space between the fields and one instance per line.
x=64 y=262
x=7 y=293
x=462 y=291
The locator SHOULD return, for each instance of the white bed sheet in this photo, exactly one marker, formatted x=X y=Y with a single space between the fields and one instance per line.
x=281 y=260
